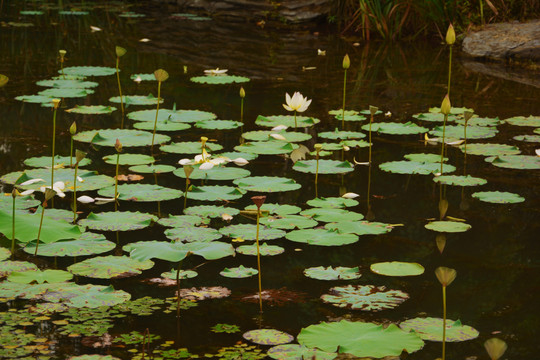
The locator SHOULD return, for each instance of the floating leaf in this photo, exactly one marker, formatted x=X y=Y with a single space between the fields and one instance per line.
x=117 y=221
x=212 y=211
x=184 y=274
x=188 y=147
x=93 y=357
x=91 y=109
x=460 y=180
x=4 y=253
x=498 y=197
x=332 y=214
x=21 y=202
x=67 y=84
x=453 y=110
x=175 y=252
x=218 y=80
x=218 y=124
x=238 y=272
x=152 y=169
x=341 y=135
x=415 y=167
x=273 y=147
x=447 y=226
x=91 y=296
x=128 y=138
x=364 y=297
x=192 y=233
x=407 y=128
x=479 y=121
x=425 y=158
x=37 y=99
x=45 y=161
x=249 y=232
x=276 y=209
x=321 y=237
x=88 y=71
x=268 y=337
x=332 y=202
x=524 y=121
x=161 y=126
x=225 y=328
x=215 y=173
x=267 y=184
x=235 y=155
x=458 y=132
x=360 y=339
x=324 y=166
x=87 y=244
x=434 y=117
x=298 y=352
x=288 y=222
x=131 y=15
x=40 y=277
x=8 y=266
x=355 y=117
x=136 y=100
x=287 y=120
x=182 y=220
x=129 y=159
x=212 y=292
x=266 y=135
x=214 y=193
x=490 y=149
x=528 y=138
x=431 y=329
x=397 y=268
x=141 y=192
x=526 y=162
x=264 y=250
x=108 y=267
x=143 y=77
x=331 y=273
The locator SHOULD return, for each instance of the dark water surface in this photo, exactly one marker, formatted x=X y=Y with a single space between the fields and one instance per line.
x=497 y=261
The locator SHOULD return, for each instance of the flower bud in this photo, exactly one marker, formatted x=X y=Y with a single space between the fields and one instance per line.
x=15 y=193
x=56 y=103
x=49 y=194
x=120 y=51
x=450 y=35
x=188 y=169
x=161 y=75
x=118 y=145
x=445 y=275
x=495 y=348
x=346 y=62
x=446 y=106
x=204 y=139
x=318 y=147
x=79 y=155
x=242 y=92
x=467 y=115
x=73 y=128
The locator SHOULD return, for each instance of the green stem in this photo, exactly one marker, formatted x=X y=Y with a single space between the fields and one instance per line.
x=40 y=225
x=481 y=15
x=116 y=183
x=71 y=152
x=75 y=193
x=443 y=142
x=449 y=69
x=186 y=193
x=317 y=177
x=370 y=122
x=295 y=126
x=178 y=289
x=53 y=148
x=155 y=122
x=13 y=230
x=62 y=69
x=259 y=260
x=159 y=202
x=343 y=105
x=444 y=323
x=120 y=90
x=242 y=110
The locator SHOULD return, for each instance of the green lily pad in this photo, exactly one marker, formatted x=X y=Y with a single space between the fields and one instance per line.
x=164 y=115
x=248 y=232
x=359 y=227
x=341 y=135
x=490 y=149
x=525 y=162
x=498 y=197
x=407 y=128
x=182 y=221
x=218 y=124
x=87 y=244
x=321 y=237
x=210 y=211
x=332 y=214
x=238 y=272
x=288 y=120
x=27 y=227
x=108 y=267
x=189 y=147
x=288 y=222
x=21 y=202
x=152 y=169
x=31 y=12
x=35 y=99
x=448 y=226
x=91 y=296
x=524 y=121
x=528 y=138
x=415 y=167
x=8 y=266
x=267 y=184
x=144 y=77
x=184 y=274
x=218 y=80
x=235 y=155
x=430 y=329
x=91 y=109
x=397 y=268
x=215 y=173
x=193 y=116
x=324 y=166
x=129 y=159
x=453 y=110
x=214 y=193
x=136 y=100
x=68 y=83
x=360 y=339
x=128 y=138
x=45 y=161
x=425 y=158
x=192 y=234
x=59 y=214
x=117 y=221
x=265 y=135
x=460 y=180
x=4 y=253
x=458 y=132
x=264 y=250
x=276 y=209
x=141 y=192
x=480 y=121
x=331 y=273
x=88 y=71
x=10 y=289
x=131 y=15
x=537 y=131
x=364 y=297
x=161 y=126
x=73 y=12
x=332 y=202
x=356 y=117
x=340 y=112
x=268 y=337
x=298 y=352
x=434 y=117
x=175 y=252
x=93 y=357
x=273 y=147
x=40 y=277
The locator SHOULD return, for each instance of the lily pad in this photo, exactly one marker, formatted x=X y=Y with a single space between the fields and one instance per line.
x=109 y=267
x=425 y=158
x=480 y=121
x=87 y=244
x=8 y=266
x=525 y=162
x=182 y=220
x=490 y=149
x=397 y=268
x=214 y=193
x=458 y=132
x=117 y=221
x=131 y=15
x=161 y=126
x=73 y=12
x=21 y=202
x=88 y=71
x=128 y=138
x=152 y=169
x=267 y=135
x=341 y=135
x=215 y=173
x=267 y=184
x=448 y=226
x=218 y=124
x=4 y=253
x=184 y=274
x=415 y=167
x=460 y=180
x=276 y=209
x=36 y=99
x=524 y=121
x=211 y=211
x=434 y=117
x=39 y=276
x=164 y=115
x=91 y=296
x=67 y=84
x=288 y=222
x=324 y=166
x=10 y=289
x=175 y=252
x=321 y=237
x=144 y=77
x=93 y=357
x=288 y=120
x=268 y=337
x=264 y=250
x=218 y=80
x=248 y=232
x=188 y=147
x=528 y=138
x=332 y=202
x=298 y=352
x=364 y=297
x=238 y=272
x=332 y=214
x=136 y=100
x=498 y=197
x=129 y=159
x=453 y=110
x=59 y=161
x=355 y=117
x=141 y=192
x=430 y=329
x=192 y=234
x=272 y=147
x=407 y=128
x=331 y=273
x=235 y=155
x=91 y=109
x=360 y=339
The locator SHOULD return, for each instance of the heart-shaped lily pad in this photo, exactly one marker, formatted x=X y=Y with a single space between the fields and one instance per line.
x=128 y=138
x=524 y=121
x=460 y=180
x=8 y=266
x=332 y=202
x=425 y=158
x=152 y=169
x=269 y=135
x=458 y=132
x=21 y=202
x=238 y=272
x=323 y=166
x=215 y=173
x=332 y=214
x=267 y=184
x=108 y=267
x=448 y=226
x=136 y=100
x=68 y=83
x=490 y=149
x=4 y=253
x=145 y=250
x=434 y=117
x=498 y=197
x=59 y=161
x=117 y=221
x=211 y=211
x=10 y=289
x=273 y=147
x=364 y=297
x=528 y=138
x=182 y=220
x=35 y=99
x=65 y=92
x=163 y=115
x=161 y=126
x=129 y=159
x=141 y=192
x=397 y=268
x=341 y=135
x=415 y=167
x=192 y=234
x=430 y=329
x=184 y=274
x=525 y=162
x=288 y=222
x=87 y=244
x=268 y=337
x=188 y=147
x=37 y=276
x=288 y=120
x=214 y=193
x=277 y=209
x=360 y=339
x=321 y=237
x=350 y=117
x=331 y=273
x=218 y=80
x=392 y=128
x=480 y=121
x=88 y=71
x=264 y=250
x=91 y=109
x=249 y=232
x=218 y=124
x=91 y=296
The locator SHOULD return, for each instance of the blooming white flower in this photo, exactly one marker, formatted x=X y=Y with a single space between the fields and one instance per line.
x=94 y=28
x=85 y=199
x=278 y=137
x=58 y=186
x=350 y=195
x=279 y=128
x=144 y=40
x=296 y=103
x=27 y=192
x=321 y=52
x=537 y=151
x=216 y=71
x=206 y=165
x=240 y=161
x=31 y=181
x=138 y=79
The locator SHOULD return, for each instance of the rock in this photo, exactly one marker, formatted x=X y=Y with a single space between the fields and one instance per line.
x=505 y=41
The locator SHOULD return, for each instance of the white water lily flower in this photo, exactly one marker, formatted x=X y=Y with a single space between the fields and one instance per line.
x=216 y=71
x=57 y=186
x=27 y=192
x=100 y=200
x=85 y=199
x=206 y=165
x=346 y=148
x=321 y=52
x=388 y=114
x=279 y=128
x=184 y=162
x=537 y=151
x=350 y=195
x=296 y=103
x=240 y=161
x=138 y=79
x=278 y=137
x=144 y=40
x=31 y=181
x=94 y=28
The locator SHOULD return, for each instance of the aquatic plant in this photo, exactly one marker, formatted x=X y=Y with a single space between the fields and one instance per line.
x=242 y=96
x=445 y=110
x=79 y=156
x=120 y=51
x=450 y=40
x=296 y=103
x=72 y=131
x=118 y=148
x=62 y=54
x=318 y=148
x=56 y=105
x=345 y=64
x=259 y=201
x=445 y=276
x=372 y=111
x=14 y=194
x=49 y=194
x=3 y=80
x=495 y=348
x=161 y=75
x=188 y=170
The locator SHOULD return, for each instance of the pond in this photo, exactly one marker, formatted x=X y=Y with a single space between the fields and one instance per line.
x=496 y=258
